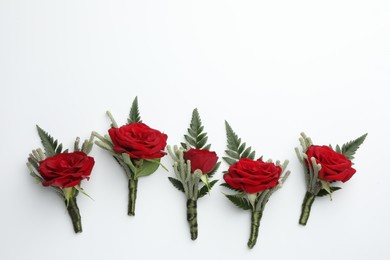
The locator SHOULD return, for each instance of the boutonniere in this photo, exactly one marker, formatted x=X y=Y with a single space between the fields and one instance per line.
x=253 y=180
x=136 y=147
x=63 y=171
x=194 y=164
x=323 y=167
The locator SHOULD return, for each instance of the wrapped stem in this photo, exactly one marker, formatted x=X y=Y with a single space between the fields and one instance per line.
x=132 y=196
x=74 y=214
x=192 y=218
x=306 y=207
x=255 y=224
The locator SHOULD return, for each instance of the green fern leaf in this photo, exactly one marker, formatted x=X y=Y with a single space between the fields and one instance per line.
x=236 y=150
x=59 y=149
x=247 y=152
x=196 y=138
x=241 y=148
x=239 y=201
x=190 y=140
x=134 y=116
x=338 y=149
x=204 y=190
x=176 y=183
x=229 y=187
x=233 y=142
x=232 y=154
x=215 y=169
x=229 y=160
x=202 y=136
x=51 y=146
x=202 y=142
x=252 y=155
x=350 y=148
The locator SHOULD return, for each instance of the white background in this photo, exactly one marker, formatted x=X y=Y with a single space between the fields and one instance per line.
x=271 y=68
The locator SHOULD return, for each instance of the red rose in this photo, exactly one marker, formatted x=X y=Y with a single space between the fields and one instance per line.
x=66 y=170
x=335 y=166
x=203 y=160
x=139 y=141
x=252 y=176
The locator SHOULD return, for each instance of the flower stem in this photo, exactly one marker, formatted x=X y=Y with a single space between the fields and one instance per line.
x=306 y=206
x=132 y=196
x=74 y=214
x=255 y=224
x=192 y=218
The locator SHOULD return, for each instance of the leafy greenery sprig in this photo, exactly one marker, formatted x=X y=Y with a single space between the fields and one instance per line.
x=246 y=201
x=194 y=185
x=236 y=150
x=134 y=168
x=196 y=138
x=52 y=147
x=134 y=115
x=315 y=186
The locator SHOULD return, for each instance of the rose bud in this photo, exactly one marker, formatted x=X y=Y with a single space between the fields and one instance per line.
x=203 y=160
